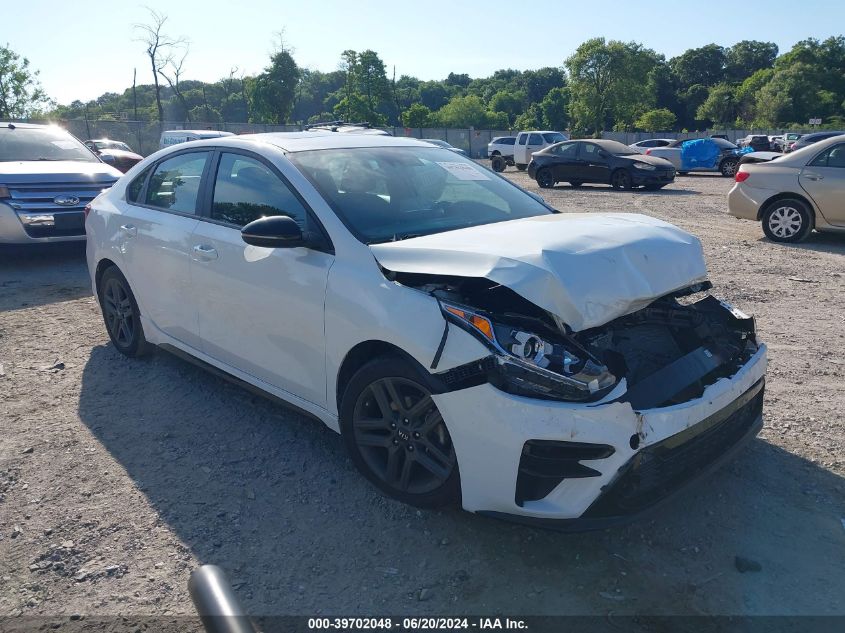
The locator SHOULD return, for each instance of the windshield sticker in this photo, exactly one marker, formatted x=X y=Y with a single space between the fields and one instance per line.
x=464 y=171
x=64 y=144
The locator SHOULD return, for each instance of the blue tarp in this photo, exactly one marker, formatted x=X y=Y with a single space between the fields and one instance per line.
x=699 y=153
x=703 y=153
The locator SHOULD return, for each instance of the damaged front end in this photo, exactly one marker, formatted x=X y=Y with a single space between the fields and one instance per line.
x=663 y=354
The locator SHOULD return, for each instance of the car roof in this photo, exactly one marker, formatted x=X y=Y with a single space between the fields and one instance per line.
x=24 y=126
x=313 y=140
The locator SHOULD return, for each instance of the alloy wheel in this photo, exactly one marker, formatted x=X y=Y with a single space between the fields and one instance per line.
x=120 y=317
x=545 y=178
x=402 y=437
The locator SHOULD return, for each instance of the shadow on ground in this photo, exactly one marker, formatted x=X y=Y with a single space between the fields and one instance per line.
x=270 y=496
x=49 y=273
x=822 y=242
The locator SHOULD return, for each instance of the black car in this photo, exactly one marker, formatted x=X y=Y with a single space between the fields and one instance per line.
x=599 y=161
x=809 y=139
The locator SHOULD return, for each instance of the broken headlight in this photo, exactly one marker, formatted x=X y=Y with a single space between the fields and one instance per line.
x=532 y=365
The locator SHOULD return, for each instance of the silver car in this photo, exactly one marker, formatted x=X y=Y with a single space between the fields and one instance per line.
x=47 y=178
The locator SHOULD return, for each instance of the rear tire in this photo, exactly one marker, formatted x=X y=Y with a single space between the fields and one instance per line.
x=395 y=435
x=575 y=183
x=121 y=314
x=788 y=221
x=653 y=187
x=498 y=164
x=545 y=178
x=521 y=166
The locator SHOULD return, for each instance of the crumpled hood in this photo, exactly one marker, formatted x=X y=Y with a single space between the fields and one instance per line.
x=587 y=269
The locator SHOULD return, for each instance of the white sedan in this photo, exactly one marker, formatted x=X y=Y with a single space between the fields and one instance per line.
x=643 y=146
x=472 y=345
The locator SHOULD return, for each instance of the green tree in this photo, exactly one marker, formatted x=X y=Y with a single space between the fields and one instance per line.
x=720 y=107
x=705 y=66
x=660 y=120
x=745 y=58
x=509 y=103
x=531 y=119
x=273 y=91
x=468 y=111
x=21 y=94
x=555 y=107
x=417 y=115
x=609 y=82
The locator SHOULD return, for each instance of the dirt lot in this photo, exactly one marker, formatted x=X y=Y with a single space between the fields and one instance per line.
x=118 y=477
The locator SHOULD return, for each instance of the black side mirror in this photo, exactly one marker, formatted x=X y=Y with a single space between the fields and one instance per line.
x=276 y=231
x=603 y=154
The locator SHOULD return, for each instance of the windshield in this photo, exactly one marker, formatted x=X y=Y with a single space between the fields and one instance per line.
x=112 y=145
x=47 y=143
x=384 y=194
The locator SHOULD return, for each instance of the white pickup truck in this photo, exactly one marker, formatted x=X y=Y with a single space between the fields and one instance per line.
x=533 y=141
x=725 y=161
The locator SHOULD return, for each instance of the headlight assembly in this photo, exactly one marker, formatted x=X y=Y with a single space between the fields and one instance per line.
x=646 y=166
x=532 y=365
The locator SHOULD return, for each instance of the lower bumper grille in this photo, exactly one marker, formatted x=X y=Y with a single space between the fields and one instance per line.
x=659 y=470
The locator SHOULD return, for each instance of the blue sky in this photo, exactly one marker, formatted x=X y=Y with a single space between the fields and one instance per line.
x=86 y=47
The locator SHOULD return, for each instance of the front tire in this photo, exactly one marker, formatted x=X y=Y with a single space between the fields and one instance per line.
x=395 y=435
x=545 y=178
x=498 y=164
x=653 y=187
x=575 y=183
x=521 y=166
x=121 y=314
x=787 y=221
x=620 y=179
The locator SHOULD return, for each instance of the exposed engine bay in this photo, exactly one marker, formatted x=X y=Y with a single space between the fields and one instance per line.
x=667 y=352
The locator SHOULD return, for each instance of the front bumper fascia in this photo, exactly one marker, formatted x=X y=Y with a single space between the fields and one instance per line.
x=489 y=429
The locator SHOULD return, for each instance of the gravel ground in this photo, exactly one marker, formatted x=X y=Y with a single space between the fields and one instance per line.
x=117 y=477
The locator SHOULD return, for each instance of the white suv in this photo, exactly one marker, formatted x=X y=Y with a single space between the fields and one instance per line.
x=471 y=344
x=533 y=141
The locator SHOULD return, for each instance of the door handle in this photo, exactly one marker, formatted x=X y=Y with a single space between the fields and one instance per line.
x=129 y=230
x=813 y=177
x=204 y=252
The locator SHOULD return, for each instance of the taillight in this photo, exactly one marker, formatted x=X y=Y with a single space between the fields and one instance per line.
x=87 y=210
x=4 y=192
x=741 y=176
x=648 y=151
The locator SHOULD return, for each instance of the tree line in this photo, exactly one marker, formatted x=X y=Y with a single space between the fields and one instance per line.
x=603 y=85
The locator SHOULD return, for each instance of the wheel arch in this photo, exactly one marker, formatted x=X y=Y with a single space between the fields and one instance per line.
x=785 y=196
x=103 y=265
x=364 y=352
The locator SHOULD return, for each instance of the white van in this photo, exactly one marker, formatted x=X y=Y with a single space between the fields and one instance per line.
x=173 y=137
x=533 y=141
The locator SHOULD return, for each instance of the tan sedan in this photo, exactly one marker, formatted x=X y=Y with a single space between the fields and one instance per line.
x=795 y=193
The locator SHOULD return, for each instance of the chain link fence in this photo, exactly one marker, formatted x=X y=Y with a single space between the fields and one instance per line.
x=144 y=136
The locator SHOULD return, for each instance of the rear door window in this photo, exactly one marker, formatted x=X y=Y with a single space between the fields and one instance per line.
x=175 y=183
x=522 y=139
